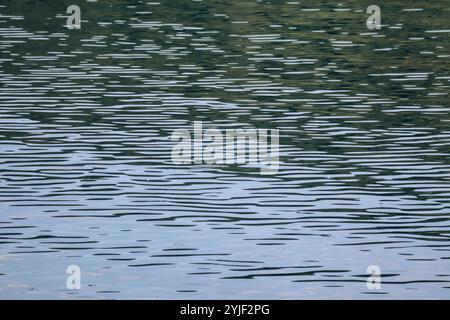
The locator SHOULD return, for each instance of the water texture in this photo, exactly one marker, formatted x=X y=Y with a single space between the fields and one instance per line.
x=86 y=176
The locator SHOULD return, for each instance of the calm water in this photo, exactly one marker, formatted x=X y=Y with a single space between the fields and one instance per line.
x=86 y=176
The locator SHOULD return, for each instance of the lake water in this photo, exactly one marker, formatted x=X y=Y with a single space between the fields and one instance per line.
x=86 y=176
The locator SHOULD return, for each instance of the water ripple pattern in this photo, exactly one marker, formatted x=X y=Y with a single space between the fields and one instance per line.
x=86 y=176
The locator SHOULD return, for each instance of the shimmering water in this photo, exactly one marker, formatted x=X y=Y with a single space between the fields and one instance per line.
x=86 y=176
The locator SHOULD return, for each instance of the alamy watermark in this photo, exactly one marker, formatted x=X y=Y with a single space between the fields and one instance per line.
x=74 y=20
x=73 y=281
x=374 y=279
x=232 y=146
x=374 y=20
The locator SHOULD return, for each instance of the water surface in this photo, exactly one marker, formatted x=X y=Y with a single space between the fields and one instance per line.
x=86 y=176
